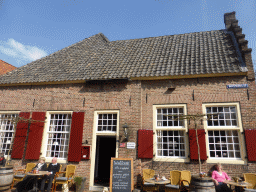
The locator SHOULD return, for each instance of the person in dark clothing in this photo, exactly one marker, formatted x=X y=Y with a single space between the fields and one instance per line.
x=52 y=169
x=27 y=183
x=2 y=160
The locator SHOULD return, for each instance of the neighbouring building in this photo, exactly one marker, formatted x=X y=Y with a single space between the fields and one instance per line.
x=5 y=67
x=84 y=95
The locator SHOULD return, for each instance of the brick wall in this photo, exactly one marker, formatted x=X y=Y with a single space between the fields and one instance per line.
x=135 y=100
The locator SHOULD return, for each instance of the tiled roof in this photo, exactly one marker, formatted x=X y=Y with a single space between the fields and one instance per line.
x=97 y=58
x=5 y=67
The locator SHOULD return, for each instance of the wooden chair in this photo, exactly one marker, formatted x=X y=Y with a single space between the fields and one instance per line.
x=185 y=179
x=20 y=173
x=69 y=176
x=175 y=177
x=147 y=174
x=250 y=178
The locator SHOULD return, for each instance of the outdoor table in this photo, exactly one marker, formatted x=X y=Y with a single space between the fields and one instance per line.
x=37 y=176
x=159 y=182
x=238 y=185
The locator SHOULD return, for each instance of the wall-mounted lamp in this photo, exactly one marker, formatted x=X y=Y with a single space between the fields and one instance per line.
x=126 y=136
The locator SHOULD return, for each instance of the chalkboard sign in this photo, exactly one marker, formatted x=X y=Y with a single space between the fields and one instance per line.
x=121 y=175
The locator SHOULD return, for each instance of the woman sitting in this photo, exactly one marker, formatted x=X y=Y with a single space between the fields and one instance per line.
x=219 y=177
x=27 y=183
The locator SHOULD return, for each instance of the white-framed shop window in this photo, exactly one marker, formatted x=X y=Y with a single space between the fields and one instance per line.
x=170 y=128
x=7 y=130
x=224 y=140
x=56 y=136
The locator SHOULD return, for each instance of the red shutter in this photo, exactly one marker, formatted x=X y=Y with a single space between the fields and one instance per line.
x=250 y=135
x=35 y=136
x=76 y=136
x=193 y=145
x=20 y=137
x=145 y=144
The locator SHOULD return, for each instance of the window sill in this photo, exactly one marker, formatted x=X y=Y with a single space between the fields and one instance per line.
x=58 y=160
x=166 y=159
x=227 y=161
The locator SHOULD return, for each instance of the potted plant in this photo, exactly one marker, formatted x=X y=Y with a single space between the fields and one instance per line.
x=79 y=182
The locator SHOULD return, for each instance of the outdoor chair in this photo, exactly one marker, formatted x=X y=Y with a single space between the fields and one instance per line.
x=175 y=177
x=185 y=179
x=69 y=176
x=20 y=173
x=147 y=174
x=250 y=178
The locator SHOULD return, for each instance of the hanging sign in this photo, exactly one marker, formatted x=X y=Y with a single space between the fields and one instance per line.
x=130 y=145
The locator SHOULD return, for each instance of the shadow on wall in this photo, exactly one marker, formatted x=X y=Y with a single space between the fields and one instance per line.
x=105 y=86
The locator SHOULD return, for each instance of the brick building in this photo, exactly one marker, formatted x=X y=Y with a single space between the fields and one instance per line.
x=5 y=67
x=88 y=91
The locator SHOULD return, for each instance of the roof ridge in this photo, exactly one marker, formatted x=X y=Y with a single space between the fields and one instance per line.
x=169 y=35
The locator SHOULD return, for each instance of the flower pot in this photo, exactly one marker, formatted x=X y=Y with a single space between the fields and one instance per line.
x=6 y=177
x=80 y=186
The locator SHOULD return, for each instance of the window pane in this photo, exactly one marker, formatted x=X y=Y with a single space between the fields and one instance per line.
x=222 y=116
x=224 y=144
x=169 y=117
x=172 y=143
x=58 y=135
x=109 y=122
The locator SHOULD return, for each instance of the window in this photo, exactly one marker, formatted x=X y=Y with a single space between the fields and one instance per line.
x=6 y=131
x=223 y=127
x=221 y=116
x=170 y=144
x=170 y=140
x=169 y=117
x=224 y=144
x=107 y=122
x=58 y=133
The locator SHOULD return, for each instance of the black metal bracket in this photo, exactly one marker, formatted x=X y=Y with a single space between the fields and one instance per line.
x=83 y=102
x=248 y=96
x=146 y=98
x=193 y=95
x=34 y=102
x=130 y=101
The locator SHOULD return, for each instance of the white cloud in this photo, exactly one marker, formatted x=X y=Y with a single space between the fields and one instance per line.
x=21 y=52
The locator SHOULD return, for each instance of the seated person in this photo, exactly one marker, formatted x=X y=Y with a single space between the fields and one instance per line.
x=28 y=181
x=2 y=160
x=219 y=177
x=52 y=168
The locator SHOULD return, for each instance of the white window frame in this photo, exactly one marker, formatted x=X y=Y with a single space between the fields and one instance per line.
x=45 y=135
x=238 y=128
x=174 y=128
x=12 y=140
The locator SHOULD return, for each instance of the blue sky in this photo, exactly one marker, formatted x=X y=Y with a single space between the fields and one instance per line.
x=31 y=29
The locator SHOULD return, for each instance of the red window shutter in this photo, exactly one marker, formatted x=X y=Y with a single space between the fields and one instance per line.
x=250 y=135
x=145 y=144
x=193 y=146
x=35 y=136
x=20 y=136
x=76 y=136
